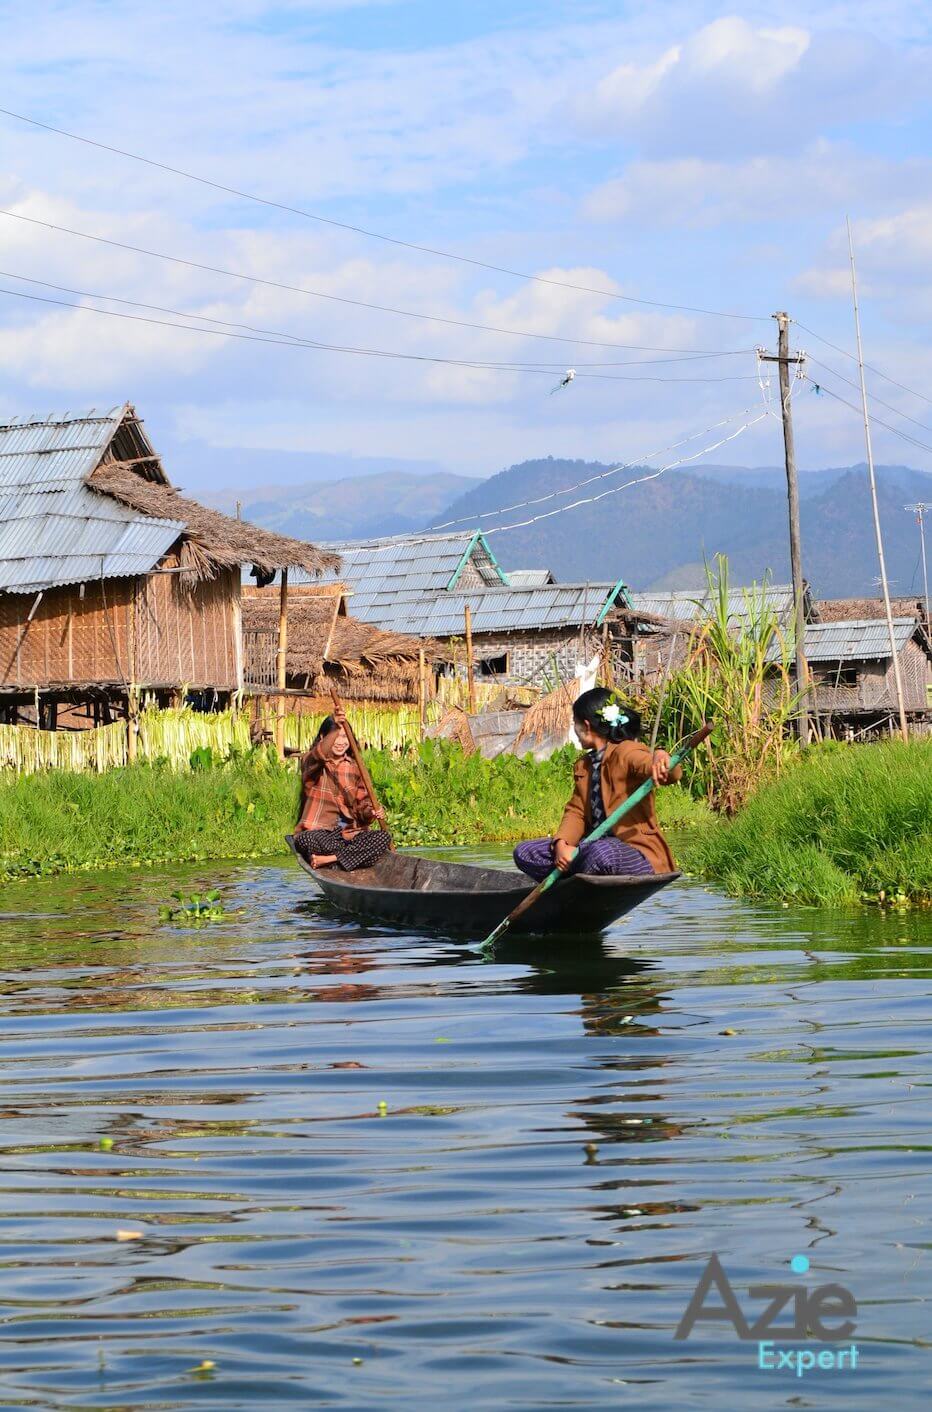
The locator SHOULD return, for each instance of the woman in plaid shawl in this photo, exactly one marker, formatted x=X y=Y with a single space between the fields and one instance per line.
x=336 y=811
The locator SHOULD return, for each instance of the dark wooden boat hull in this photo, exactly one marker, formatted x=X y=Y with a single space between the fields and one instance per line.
x=408 y=890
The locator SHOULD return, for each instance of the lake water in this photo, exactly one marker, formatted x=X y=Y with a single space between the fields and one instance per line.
x=361 y=1169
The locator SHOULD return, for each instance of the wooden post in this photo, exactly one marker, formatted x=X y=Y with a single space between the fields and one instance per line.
x=281 y=664
x=132 y=695
x=421 y=689
x=897 y=674
x=796 y=554
x=470 y=666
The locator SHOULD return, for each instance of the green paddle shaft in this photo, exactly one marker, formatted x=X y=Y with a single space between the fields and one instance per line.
x=605 y=827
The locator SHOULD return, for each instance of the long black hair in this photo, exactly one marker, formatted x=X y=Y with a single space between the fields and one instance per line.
x=592 y=707
x=327 y=725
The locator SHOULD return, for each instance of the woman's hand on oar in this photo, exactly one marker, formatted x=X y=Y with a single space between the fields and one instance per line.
x=605 y=827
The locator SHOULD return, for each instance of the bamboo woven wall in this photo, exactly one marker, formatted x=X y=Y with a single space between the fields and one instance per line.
x=71 y=639
x=187 y=638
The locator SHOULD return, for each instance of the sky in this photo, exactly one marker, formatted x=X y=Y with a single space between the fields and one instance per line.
x=615 y=159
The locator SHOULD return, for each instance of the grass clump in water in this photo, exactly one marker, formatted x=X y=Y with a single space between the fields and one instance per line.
x=842 y=824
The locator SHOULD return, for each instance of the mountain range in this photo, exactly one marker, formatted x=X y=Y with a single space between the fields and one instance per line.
x=657 y=534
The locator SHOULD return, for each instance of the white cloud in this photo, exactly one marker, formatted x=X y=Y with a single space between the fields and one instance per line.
x=692 y=191
x=732 y=88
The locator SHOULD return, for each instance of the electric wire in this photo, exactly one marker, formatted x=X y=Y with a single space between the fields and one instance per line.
x=578 y=485
x=382 y=546
x=869 y=366
x=366 y=304
x=897 y=431
x=293 y=341
x=371 y=234
x=873 y=396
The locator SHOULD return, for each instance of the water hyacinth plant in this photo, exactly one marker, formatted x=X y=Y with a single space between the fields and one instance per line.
x=194 y=910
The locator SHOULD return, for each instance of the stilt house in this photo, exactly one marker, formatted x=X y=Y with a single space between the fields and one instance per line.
x=111 y=582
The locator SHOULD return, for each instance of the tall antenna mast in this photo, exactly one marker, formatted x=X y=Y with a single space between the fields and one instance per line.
x=897 y=674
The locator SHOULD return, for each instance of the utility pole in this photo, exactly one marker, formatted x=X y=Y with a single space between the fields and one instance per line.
x=783 y=359
x=920 y=510
x=897 y=674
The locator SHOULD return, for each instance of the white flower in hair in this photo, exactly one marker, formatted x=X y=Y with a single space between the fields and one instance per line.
x=610 y=713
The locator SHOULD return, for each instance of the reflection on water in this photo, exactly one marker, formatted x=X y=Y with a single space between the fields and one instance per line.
x=348 y=1167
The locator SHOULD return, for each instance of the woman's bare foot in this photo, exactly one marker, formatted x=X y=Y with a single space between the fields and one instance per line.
x=321 y=860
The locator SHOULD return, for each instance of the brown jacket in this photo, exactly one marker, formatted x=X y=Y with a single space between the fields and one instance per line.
x=625 y=767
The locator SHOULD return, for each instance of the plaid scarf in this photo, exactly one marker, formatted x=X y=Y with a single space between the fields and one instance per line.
x=335 y=794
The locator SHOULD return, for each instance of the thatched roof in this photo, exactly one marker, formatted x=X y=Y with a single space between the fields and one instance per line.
x=211 y=540
x=858 y=610
x=324 y=641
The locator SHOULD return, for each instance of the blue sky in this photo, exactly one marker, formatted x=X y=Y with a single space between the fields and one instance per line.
x=690 y=154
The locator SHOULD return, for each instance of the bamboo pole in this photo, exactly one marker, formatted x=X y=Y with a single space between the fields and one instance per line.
x=282 y=657
x=470 y=665
x=897 y=675
x=132 y=694
x=421 y=689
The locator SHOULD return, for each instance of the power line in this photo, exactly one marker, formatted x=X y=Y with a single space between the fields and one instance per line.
x=869 y=366
x=874 y=398
x=616 y=489
x=281 y=340
x=820 y=387
x=366 y=304
x=578 y=485
x=372 y=234
x=397 y=541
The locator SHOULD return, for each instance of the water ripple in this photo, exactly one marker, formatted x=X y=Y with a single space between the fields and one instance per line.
x=289 y=1161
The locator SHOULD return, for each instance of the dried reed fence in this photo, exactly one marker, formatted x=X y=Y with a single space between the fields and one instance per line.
x=172 y=736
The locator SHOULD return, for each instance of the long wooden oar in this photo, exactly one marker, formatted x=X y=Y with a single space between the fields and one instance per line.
x=360 y=762
x=605 y=827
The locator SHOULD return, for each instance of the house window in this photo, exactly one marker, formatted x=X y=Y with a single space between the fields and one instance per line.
x=837 y=676
x=494 y=666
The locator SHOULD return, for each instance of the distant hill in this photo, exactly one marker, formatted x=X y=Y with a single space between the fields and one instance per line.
x=390 y=502
x=657 y=534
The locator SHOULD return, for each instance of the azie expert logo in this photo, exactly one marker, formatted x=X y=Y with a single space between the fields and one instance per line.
x=826 y=1314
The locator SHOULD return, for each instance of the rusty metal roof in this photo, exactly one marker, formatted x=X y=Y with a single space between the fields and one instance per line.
x=53 y=528
x=865 y=639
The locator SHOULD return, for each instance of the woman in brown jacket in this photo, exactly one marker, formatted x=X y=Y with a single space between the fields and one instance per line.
x=614 y=766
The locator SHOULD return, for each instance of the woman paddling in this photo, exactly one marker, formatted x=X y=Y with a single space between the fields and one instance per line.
x=335 y=809
x=614 y=766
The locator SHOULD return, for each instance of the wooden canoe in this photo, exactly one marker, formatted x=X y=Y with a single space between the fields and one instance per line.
x=408 y=890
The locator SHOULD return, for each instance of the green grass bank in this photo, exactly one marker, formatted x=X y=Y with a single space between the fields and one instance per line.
x=58 y=821
x=842 y=824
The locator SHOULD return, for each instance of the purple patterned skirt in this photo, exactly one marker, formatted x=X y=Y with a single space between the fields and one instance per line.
x=604 y=856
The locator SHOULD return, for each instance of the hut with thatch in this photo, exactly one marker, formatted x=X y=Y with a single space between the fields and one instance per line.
x=111 y=582
x=328 y=647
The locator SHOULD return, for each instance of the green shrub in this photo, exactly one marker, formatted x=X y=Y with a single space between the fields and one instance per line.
x=843 y=822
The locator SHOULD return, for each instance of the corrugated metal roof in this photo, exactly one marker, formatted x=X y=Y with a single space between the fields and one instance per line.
x=378 y=568
x=865 y=639
x=493 y=609
x=529 y=578
x=53 y=529
x=687 y=605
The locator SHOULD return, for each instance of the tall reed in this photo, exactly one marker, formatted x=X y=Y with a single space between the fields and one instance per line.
x=736 y=674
